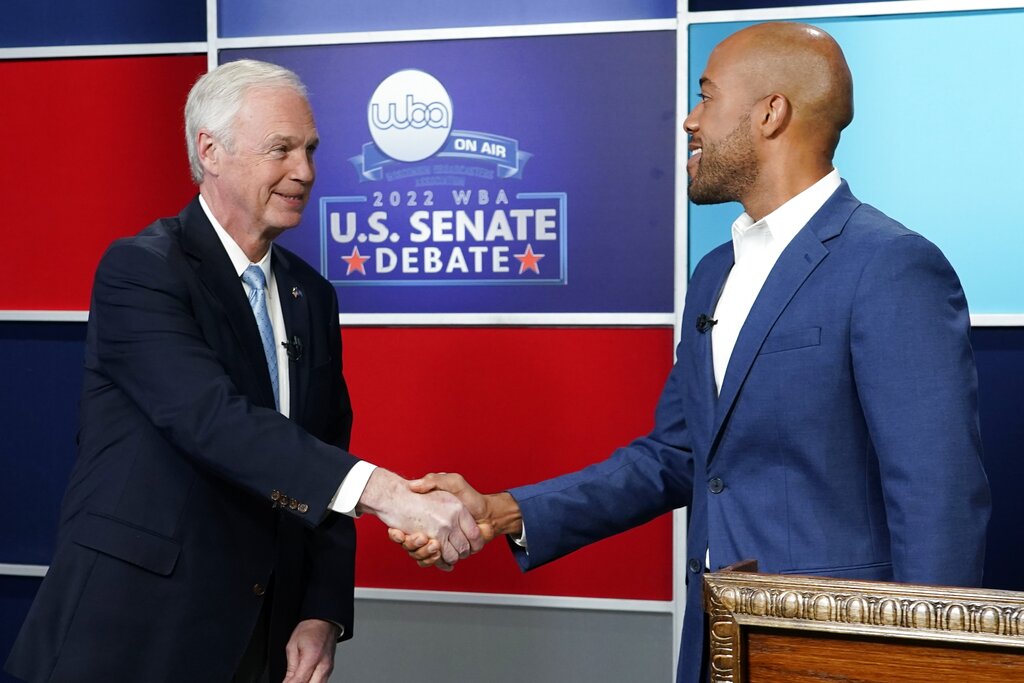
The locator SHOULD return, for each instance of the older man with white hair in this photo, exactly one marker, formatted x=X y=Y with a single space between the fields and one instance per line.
x=206 y=533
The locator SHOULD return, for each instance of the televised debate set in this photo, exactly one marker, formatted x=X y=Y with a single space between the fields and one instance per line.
x=557 y=341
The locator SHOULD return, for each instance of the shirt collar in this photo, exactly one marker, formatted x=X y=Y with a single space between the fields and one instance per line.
x=238 y=258
x=778 y=228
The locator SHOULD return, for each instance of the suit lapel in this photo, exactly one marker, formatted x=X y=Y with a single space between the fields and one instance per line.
x=295 y=309
x=215 y=271
x=719 y=265
x=796 y=263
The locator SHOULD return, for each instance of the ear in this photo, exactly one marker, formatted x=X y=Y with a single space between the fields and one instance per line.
x=773 y=113
x=209 y=151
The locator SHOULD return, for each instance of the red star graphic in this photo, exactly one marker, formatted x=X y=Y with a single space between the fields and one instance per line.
x=355 y=261
x=528 y=260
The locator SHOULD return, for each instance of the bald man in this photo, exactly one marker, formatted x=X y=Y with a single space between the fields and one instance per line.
x=822 y=414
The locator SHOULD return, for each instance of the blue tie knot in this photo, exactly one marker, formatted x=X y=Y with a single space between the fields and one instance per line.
x=254 y=277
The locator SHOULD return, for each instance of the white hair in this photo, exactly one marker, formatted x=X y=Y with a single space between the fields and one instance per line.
x=217 y=96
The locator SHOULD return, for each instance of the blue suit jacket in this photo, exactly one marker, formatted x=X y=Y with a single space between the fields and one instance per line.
x=190 y=493
x=844 y=441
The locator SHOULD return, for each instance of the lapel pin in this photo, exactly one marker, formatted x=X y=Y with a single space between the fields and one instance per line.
x=296 y=293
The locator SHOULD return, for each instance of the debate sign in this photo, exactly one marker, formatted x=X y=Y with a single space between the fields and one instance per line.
x=498 y=175
x=425 y=226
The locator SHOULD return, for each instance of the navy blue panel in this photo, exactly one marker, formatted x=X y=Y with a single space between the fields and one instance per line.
x=16 y=594
x=38 y=23
x=1000 y=356
x=42 y=378
x=270 y=17
x=708 y=5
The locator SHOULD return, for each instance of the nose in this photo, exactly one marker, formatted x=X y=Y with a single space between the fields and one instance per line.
x=304 y=170
x=690 y=123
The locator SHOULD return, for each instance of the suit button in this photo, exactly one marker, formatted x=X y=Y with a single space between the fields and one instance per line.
x=275 y=495
x=695 y=566
x=293 y=504
x=259 y=589
x=716 y=485
x=303 y=508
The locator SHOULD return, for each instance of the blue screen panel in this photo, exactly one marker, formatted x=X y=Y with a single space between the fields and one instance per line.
x=934 y=143
x=42 y=381
x=550 y=190
x=38 y=23
x=265 y=17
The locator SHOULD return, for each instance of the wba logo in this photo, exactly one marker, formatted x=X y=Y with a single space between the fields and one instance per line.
x=410 y=115
x=415 y=114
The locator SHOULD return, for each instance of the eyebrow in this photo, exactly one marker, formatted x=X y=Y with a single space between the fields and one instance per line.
x=289 y=139
x=707 y=82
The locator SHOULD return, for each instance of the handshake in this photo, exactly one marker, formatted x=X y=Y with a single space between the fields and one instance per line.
x=439 y=519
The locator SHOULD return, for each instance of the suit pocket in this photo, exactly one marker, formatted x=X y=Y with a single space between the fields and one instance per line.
x=124 y=541
x=795 y=339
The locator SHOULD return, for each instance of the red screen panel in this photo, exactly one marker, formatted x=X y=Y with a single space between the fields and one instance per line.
x=505 y=407
x=95 y=152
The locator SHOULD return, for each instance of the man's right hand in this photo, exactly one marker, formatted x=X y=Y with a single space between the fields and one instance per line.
x=495 y=514
x=434 y=513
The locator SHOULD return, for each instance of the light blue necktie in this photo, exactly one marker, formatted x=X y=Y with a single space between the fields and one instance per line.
x=257 y=281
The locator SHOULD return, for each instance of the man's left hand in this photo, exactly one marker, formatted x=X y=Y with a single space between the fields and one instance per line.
x=310 y=652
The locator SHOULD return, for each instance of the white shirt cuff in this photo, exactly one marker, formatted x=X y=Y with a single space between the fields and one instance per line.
x=351 y=488
x=521 y=541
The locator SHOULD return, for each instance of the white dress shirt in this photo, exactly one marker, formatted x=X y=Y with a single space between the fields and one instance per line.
x=756 y=248
x=354 y=483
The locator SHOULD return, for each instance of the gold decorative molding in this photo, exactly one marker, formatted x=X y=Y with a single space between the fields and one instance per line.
x=735 y=599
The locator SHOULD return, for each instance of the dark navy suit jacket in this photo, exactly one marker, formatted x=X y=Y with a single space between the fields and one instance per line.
x=191 y=494
x=844 y=441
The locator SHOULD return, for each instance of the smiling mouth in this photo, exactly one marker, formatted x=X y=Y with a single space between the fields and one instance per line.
x=291 y=197
x=693 y=161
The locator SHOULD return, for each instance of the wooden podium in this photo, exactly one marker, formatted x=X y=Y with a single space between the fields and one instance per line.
x=766 y=628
